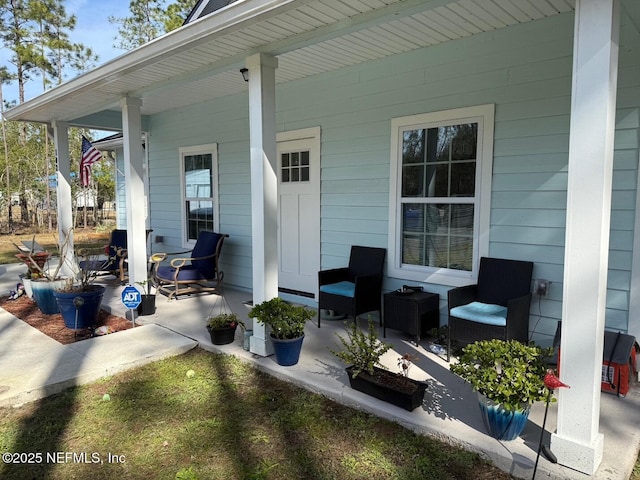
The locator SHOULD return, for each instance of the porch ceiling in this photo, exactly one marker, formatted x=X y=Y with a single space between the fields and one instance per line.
x=200 y=61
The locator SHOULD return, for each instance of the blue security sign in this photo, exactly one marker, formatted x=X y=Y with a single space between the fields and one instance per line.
x=131 y=297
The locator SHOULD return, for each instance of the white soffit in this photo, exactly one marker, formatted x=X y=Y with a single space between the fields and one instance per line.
x=308 y=37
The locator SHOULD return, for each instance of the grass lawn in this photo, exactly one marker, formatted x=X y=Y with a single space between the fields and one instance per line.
x=83 y=238
x=211 y=416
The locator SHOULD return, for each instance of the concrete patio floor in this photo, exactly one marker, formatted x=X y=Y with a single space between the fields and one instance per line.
x=34 y=366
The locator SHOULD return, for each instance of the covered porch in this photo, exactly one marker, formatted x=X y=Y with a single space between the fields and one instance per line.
x=297 y=48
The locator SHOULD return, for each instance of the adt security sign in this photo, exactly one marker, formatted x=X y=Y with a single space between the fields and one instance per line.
x=131 y=297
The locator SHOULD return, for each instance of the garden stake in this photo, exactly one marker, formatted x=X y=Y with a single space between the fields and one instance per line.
x=551 y=382
x=77 y=302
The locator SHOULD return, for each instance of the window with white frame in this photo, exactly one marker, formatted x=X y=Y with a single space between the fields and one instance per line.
x=440 y=185
x=199 y=189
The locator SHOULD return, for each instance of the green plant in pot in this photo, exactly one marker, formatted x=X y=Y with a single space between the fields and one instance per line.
x=362 y=352
x=222 y=327
x=286 y=323
x=508 y=377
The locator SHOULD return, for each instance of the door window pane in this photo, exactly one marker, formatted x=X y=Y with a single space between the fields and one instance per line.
x=294 y=167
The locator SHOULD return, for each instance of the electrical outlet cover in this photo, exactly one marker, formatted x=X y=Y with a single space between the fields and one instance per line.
x=541 y=287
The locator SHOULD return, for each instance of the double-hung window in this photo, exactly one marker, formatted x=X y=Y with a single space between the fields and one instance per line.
x=199 y=189
x=439 y=202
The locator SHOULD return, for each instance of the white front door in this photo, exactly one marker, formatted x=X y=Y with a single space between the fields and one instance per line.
x=299 y=212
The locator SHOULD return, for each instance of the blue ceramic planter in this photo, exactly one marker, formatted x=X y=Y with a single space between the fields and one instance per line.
x=500 y=423
x=87 y=307
x=287 y=350
x=43 y=294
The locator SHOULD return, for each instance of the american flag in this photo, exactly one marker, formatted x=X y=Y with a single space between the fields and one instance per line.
x=90 y=155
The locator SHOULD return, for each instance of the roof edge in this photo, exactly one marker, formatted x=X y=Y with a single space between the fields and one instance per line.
x=233 y=15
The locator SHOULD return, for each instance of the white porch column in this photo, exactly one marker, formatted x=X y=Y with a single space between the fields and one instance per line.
x=65 y=206
x=264 y=186
x=577 y=442
x=134 y=189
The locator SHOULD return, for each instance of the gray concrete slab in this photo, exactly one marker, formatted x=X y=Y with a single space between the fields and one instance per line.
x=449 y=412
x=33 y=365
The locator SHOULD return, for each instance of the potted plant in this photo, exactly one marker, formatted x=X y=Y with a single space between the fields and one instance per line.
x=508 y=377
x=222 y=327
x=35 y=261
x=147 y=300
x=286 y=323
x=362 y=352
x=45 y=280
x=26 y=278
x=78 y=298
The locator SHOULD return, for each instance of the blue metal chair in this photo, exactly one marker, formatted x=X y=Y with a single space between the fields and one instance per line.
x=198 y=273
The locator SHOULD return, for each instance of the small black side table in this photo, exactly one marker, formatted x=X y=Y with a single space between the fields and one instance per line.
x=412 y=313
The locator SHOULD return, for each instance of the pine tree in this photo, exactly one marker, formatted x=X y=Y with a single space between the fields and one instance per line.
x=5 y=77
x=149 y=19
x=17 y=35
x=176 y=14
x=36 y=32
x=144 y=24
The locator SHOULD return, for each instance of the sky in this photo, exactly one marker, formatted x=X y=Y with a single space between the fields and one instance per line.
x=92 y=29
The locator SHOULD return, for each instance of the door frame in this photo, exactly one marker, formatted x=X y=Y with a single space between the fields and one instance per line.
x=312 y=137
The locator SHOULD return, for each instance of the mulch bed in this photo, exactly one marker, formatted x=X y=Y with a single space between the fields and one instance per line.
x=53 y=325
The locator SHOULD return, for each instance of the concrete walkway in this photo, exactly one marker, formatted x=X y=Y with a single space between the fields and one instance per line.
x=33 y=366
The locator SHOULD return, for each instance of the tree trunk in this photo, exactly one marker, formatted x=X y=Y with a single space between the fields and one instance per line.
x=6 y=160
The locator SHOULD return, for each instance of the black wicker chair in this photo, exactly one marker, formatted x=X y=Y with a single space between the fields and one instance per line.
x=355 y=289
x=496 y=307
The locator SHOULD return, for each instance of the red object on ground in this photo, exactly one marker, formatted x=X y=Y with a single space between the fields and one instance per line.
x=618 y=361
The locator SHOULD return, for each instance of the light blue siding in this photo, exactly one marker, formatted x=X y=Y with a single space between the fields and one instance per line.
x=121 y=205
x=525 y=70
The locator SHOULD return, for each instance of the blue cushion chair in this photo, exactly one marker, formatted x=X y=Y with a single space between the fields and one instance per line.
x=198 y=273
x=496 y=307
x=355 y=289
x=116 y=251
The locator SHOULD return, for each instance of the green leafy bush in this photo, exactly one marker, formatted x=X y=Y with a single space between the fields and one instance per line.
x=285 y=320
x=223 y=320
x=506 y=372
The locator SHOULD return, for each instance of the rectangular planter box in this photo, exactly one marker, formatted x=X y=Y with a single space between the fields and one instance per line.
x=407 y=400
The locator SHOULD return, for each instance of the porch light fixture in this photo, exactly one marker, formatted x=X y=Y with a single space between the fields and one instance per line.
x=245 y=74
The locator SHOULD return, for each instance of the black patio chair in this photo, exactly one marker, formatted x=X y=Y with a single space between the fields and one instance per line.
x=355 y=289
x=198 y=273
x=496 y=307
